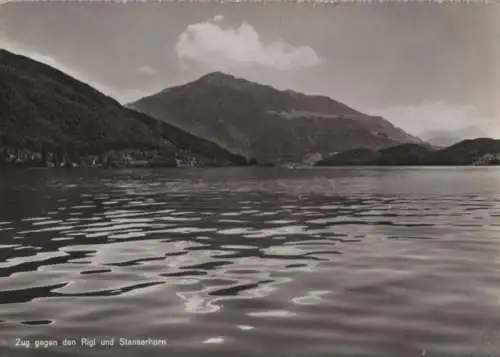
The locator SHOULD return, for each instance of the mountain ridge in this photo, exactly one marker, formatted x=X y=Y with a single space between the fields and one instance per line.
x=253 y=120
x=443 y=138
x=481 y=151
x=44 y=109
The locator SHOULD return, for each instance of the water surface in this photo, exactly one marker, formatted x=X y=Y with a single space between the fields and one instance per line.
x=252 y=261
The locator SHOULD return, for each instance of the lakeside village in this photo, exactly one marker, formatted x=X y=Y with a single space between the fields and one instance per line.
x=15 y=157
x=487 y=160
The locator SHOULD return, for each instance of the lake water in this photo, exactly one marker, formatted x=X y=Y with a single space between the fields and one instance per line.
x=251 y=262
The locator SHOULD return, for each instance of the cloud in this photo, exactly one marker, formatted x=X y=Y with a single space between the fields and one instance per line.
x=147 y=70
x=209 y=44
x=435 y=116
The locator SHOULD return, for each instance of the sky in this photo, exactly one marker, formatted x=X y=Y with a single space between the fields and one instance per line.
x=422 y=66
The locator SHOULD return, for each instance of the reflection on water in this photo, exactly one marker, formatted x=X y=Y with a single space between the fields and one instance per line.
x=254 y=262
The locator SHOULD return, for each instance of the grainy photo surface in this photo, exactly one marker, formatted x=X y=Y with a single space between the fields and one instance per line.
x=249 y=179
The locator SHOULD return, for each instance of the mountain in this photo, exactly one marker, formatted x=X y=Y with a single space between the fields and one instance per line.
x=443 y=138
x=483 y=151
x=467 y=152
x=354 y=157
x=270 y=125
x=43 y=109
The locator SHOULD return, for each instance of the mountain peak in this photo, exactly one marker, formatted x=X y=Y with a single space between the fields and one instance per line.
x=223 y=79
x=217 y=75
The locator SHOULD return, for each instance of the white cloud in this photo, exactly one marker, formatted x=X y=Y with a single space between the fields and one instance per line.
x=147 y=70
x=434 y=116
x=209 y=44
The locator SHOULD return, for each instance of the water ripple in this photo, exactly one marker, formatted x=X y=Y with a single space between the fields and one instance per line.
x=303 y=262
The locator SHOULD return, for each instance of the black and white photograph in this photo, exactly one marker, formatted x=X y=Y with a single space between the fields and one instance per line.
x=250 y=178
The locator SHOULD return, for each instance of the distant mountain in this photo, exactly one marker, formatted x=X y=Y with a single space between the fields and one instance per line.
x=270 y=125
x=468 y=152
x=354 y=157
x=483 y=151
x=43 y=109
x=443 y=138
